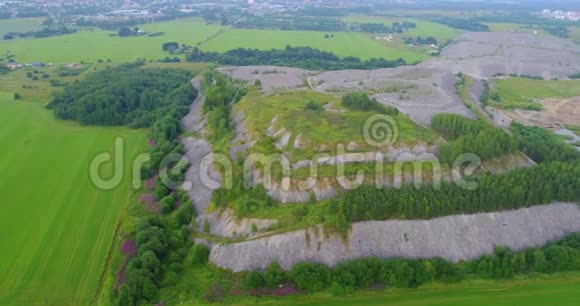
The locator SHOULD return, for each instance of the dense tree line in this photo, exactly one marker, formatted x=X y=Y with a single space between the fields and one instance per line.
x=525 y=187
x=361 y=101
x=464 y=24
x=487 y=144
x=125 y=95
x=471 y=136
x=110 y=24
x=45 y=32
x=543 y=146
x=161 y=246
x=292 y=23
x=429 y=40
x=126 y=32
x=452 y=126
x=396 y=27
x=557 y=256
x=300 y=57
x=559 y=30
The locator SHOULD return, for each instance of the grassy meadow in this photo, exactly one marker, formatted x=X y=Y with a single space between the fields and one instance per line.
x=90 y=45
x=20 y=25
x=342 y=44
x=424 y=28
x=553 y=290
x=56 y=225
x=521 y=92
x=561 y=289
x=575 y=34
x=340 y=126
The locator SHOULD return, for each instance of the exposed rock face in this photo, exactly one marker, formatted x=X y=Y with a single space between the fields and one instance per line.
x=242 y=140
x=194 y=121
x=225 y=224
x=454 y=238
x=201 y=178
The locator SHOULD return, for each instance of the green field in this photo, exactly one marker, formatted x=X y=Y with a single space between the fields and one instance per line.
x=56 y=225
x=575 y=34
x=521 y=92
x=342 y=44
x=89 y=45
x=424 y=28
x=562 y=290
x=20 y=25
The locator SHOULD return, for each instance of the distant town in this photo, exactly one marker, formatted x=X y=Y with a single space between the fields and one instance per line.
x=561 y=15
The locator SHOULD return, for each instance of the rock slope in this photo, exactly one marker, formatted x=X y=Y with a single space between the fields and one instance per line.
x=455 y=238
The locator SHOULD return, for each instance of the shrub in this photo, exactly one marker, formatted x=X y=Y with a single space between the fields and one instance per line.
x=206 y=226
x=200 y=254
x=274 y=275
x=167 y=204
x=253 y=280
x=309 y=276
x=311 y=105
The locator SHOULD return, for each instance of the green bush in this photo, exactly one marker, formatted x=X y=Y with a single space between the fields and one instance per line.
x=310 y=277
x=200 y=254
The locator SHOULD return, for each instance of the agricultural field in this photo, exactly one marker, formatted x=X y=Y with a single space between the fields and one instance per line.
x=424 y=28
x=42 y=90
x=90 y=45
x=342 y=44
x=57 y=226
x=20 y=25
x=522 y=92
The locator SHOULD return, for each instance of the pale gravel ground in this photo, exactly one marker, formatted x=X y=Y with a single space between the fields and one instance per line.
x=481 y=55
x=455 y=238
x=484 y=54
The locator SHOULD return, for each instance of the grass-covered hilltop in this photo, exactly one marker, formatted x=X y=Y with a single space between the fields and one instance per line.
x=275 y=153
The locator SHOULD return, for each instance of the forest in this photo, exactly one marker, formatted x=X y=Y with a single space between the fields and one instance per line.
x=299 y=57
x=125 y=95
x=520 y=188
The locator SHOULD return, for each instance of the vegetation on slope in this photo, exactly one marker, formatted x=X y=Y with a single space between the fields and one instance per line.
x=556 y=256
